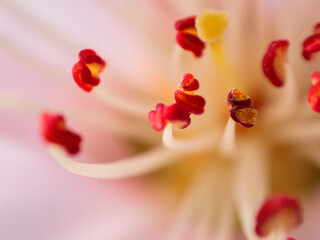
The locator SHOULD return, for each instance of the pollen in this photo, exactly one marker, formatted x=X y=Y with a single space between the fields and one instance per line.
x=86 y=71
x=187 y=36
x=53 y=129
x=274 y=61
x=278 y=212
x=211 y=24
x=236 y=97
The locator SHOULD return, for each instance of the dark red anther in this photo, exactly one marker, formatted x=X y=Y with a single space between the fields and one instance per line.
x=274 y=60
x=194 y=103
x=190 y=42
x=86 y=71
x=311 y=47
x=189 y=83
x=53 y=129
x=236 y=97
x=175 y=113
x=278 y=212
x=245 y=116
x=186 y=23
x=187 y=36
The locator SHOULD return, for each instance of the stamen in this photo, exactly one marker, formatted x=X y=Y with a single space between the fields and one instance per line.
x=279 y=212
x=274 y=60
x=240 y=109
x=311 y=46
x=187 y=36
x=54 y=130
x=176 y=113
x=179 y=112
x=129 y=167
x=86 y=71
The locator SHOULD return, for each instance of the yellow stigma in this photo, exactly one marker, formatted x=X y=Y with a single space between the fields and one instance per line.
x=211 y=24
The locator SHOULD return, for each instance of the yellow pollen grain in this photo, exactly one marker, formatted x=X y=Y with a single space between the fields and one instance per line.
x=238 y=95
x=211 y=24
x=247 y=115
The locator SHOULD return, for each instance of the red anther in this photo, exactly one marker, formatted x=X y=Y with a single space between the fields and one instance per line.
x=311 y=46
x=178 y=114
x=315 y=78
x=175 y=113
x=236 y=97
x=316 y=28
x=89 y=56
x=194 y=103
x=278 y=212
x=186 y=23
x=245 y=116
x=54 y=130
x=189 y=83
x=156 y=117
x=86 y=71
x=190 y=42
x=290 y=238
x=274 y=60
x=314 y=97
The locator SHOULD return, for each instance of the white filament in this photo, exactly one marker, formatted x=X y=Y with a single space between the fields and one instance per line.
x=196 y=144
x=228 y=138
x=120 y=104
x=129 y=167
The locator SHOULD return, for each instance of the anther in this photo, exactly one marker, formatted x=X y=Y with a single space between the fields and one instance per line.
x=175 y=113
x=185 y=96
x=240 y=108
x=236 y=97
x=53 y=129
x=245 y=116
x=179 y=112
x=311 y=47
x=314 y=92
x=278 y=212
x=86 y=71
x=189 y=83
x=274 y=60
x=187 y=36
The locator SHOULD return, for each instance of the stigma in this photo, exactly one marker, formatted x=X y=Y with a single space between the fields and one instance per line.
x=86 y=71
x=53 y=129
x=178 y=113
x=240 y=108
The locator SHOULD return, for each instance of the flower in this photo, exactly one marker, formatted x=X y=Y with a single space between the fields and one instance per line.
x=227 y=171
